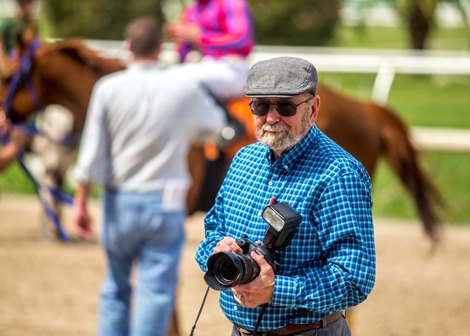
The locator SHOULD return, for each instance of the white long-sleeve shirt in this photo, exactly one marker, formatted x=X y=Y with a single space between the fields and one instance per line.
x=139 y=126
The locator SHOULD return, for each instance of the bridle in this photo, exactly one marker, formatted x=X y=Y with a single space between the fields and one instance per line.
x=23 y=75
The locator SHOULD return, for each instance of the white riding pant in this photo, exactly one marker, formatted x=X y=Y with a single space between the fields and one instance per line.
x=224 y=77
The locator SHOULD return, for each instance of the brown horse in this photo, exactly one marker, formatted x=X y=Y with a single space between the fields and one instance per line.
x=64 y=73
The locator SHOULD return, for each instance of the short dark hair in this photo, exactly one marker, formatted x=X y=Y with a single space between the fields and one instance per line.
x=144 y=36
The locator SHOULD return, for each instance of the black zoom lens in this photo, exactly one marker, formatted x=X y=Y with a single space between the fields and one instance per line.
x=226 y=270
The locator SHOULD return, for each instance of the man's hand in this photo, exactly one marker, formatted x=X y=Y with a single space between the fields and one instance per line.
x=228 y=244
x=82 y=222
x=260 y=290
x=5 y=125
x=81 y=217
x=17 y=141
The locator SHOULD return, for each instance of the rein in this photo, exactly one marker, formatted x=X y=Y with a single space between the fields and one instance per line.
x=24 y=75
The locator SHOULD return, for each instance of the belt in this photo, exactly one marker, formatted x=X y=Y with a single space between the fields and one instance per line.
x=294 y=328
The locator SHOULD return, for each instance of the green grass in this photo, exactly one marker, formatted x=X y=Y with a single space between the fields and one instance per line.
x=449 y=173
x=14 y=180
x=433 y=101
x=441 y=38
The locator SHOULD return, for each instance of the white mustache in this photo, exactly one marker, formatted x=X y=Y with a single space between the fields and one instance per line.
x=275 y=128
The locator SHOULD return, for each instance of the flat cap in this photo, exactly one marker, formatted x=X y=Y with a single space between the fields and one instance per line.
x=281 y=77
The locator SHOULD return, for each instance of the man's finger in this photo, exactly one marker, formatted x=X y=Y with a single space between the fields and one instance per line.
x=259 y=259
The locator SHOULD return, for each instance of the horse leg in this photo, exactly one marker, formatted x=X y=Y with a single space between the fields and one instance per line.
x=53 y=158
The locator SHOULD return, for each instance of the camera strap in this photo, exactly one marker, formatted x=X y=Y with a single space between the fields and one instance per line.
x=258 y=322
x=199 y=312
x=260 y=317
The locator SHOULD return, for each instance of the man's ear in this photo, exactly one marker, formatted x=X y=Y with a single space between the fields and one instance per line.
x=315 y=109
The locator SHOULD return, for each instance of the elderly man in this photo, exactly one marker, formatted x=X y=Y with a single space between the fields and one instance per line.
x=329 y=265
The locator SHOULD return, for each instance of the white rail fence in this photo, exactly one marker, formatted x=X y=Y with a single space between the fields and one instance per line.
x=384 y=63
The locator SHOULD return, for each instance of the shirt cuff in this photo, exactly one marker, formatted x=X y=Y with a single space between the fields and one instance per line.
x=285 y=289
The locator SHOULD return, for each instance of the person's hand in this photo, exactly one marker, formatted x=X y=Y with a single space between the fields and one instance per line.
x=82 y=222
x=5 y=125
x=260 y=290
x=8 y=67
x=181 y=32
x=17 y=141
x=228 y=244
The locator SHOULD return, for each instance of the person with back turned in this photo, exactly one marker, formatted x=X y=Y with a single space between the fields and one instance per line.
x=329 y=263
x=135 y=143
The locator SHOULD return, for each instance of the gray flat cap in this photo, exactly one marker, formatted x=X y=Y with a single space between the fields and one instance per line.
x=281 y=77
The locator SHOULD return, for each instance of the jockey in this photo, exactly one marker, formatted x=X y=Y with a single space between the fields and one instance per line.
x=222 y=32
x=12 y=31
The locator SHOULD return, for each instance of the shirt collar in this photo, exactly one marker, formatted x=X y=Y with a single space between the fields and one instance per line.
x=288 y=159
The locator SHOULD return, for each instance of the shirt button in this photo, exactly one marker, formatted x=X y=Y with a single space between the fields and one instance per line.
x=270 y=183
x=259 y=213
x=235 y=308
x=286 y=167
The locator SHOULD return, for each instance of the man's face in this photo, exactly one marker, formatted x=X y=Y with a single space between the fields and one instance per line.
x=281 y=133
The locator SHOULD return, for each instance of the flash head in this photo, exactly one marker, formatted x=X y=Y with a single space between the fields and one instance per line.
x=282 y=221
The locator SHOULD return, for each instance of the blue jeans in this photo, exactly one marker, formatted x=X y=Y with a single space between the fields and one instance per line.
x=136 y=230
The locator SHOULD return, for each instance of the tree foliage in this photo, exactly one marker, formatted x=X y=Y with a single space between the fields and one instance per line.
x=292 y=22
x=95 y=19
x=295 y=22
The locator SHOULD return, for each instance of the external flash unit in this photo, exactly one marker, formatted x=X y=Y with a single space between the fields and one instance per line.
x=282 y=220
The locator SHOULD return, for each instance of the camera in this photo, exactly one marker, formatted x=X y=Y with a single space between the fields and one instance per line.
x=227 y=269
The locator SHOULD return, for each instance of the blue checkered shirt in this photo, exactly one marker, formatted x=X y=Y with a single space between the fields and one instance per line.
x=330 y=263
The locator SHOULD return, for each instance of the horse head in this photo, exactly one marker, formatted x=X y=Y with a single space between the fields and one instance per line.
x=53 y=73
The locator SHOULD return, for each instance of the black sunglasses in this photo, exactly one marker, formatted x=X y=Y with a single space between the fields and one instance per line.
x=285 y=109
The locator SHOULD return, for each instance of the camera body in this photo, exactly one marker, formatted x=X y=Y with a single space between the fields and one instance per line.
x=227 y=269
x=247 y=246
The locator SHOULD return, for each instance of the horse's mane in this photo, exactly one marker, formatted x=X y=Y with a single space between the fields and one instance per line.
x=79 y=51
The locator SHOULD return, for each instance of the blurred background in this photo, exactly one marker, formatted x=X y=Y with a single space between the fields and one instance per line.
x=430 y=99
x=413 y=55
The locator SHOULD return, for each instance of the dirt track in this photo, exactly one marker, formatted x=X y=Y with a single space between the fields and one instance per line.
x=51 y=288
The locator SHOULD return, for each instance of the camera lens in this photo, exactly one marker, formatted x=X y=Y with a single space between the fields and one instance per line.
x=226 y=270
